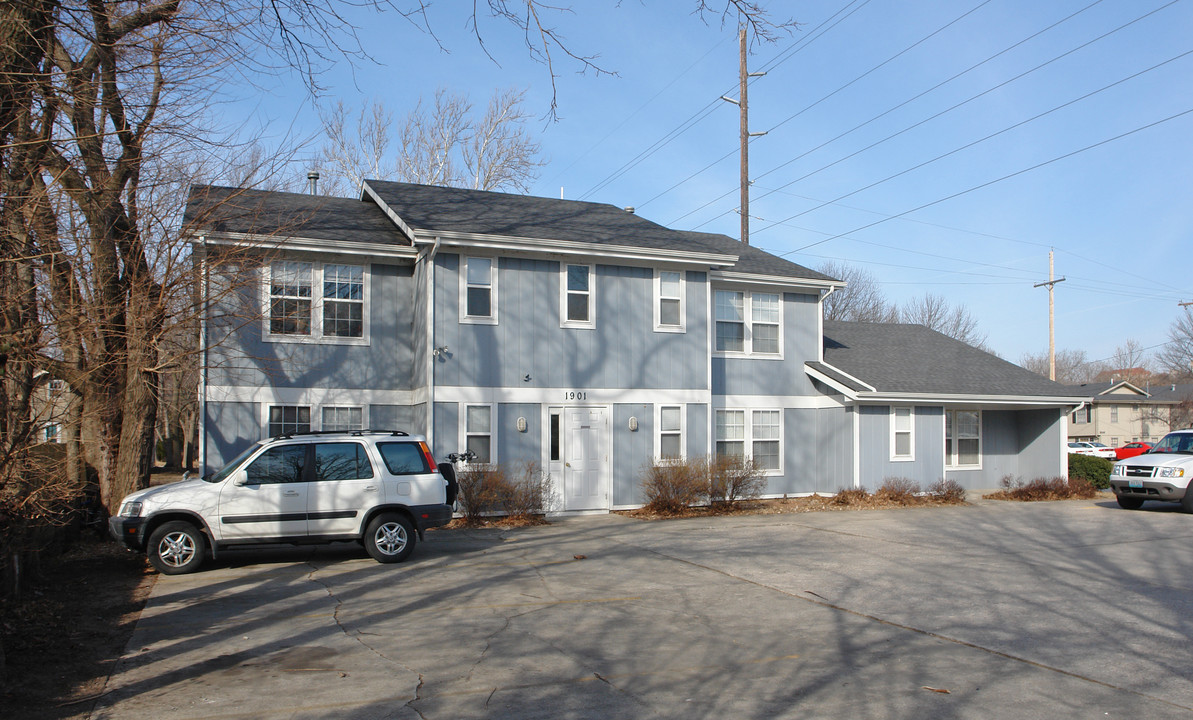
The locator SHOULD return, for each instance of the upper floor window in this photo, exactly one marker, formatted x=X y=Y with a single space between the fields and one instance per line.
x=335 y=314
x=963 y=438
x=575 y=296
x=1114 y=413
x=478 y=290
x=1082 y=416
x=669 y=301
x=748 y=322
x=902 y=434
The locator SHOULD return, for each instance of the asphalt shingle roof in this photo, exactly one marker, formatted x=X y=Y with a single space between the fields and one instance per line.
x=428 y=208
x=898 y=358
x=282 y=214
x=1157 y=393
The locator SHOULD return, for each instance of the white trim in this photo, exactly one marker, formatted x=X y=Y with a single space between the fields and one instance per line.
x=834 y=383
x=747 y=350
x=570 y=397
x=263 y=414
x=367 y=190
x=748 y=432
x=966 y=400
x=315 y=245
x=316 y=336
x=658 y=430
x=857 y=446
x=465 y=318
x=658 y=301
x=573 y=248
x=789 y=283
x=787 y=402
x=981 y=441
x=893 y=417
x=564 y=292
x=463 y=428
x=313 y=396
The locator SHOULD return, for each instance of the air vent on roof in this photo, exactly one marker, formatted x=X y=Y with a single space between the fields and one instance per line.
x=630 y=210
x=313 y=179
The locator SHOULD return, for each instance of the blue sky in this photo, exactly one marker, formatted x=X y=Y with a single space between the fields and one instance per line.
x=929 y=143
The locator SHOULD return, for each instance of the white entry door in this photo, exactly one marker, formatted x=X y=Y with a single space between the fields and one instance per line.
x=586 y=476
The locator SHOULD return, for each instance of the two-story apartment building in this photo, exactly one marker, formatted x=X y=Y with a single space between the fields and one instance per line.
x=1118 y=412
x=585 y=338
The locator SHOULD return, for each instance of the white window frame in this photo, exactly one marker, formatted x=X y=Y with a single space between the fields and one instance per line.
x=682 y=432
x=1084 y=416
x=491 y=318
x=363 y=416
x=659 y=298
x=748 y=323
x=894 y=423
x=492 y=434
x=1114 y=413
x=950 y=457
x=748 y=432
x=590 y=323
x=317 y=299
x=265 y=429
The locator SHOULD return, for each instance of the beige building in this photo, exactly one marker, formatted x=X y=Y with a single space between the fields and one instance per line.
x=1119 y=412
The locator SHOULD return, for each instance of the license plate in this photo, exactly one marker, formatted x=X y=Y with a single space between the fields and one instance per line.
x=1135 y=483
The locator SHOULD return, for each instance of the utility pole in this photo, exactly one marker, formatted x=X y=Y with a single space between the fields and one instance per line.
x=744 y=111
x=1051 y=284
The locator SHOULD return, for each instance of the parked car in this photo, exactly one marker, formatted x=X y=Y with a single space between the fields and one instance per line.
x=1091 y=448
x=1162 y=473
x=379 y=488
x=1131 y=449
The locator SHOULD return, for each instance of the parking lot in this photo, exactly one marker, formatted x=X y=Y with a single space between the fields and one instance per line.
x=1007 y=610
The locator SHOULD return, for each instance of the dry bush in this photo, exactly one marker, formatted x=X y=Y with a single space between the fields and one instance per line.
x=524 y=490
x=898 y=490
x=948 y=492
x=851 y=496
x=734 y=478
x=516 y=492
x=1056 y=488
x=671 y=488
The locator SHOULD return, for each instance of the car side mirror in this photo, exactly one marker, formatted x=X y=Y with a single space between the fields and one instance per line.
x=240 y=478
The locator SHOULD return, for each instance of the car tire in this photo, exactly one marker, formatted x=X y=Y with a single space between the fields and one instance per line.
x=1129 y=503
x=1187 y=500
x=177 y=547
x=389 y=538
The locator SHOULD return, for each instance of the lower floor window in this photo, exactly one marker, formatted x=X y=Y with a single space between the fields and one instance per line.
x=478 y=432
x=760 y=438
x=670 y=432
x=343 y=419
x=962 y=438
x=289 y=419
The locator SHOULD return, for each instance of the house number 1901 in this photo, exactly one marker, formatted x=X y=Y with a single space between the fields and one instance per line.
x=575 y=395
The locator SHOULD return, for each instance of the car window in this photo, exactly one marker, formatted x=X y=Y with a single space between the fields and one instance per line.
x=403 y=458
x=341 y=461
x=284 y=464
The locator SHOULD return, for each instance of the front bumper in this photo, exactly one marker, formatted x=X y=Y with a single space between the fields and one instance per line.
x=129 y=531
x=1151 y=490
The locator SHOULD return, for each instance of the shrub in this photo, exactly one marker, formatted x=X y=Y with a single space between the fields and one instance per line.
x=516 y=492
x=671 y=488
x=734 y=478
x=851 y=496
x=1093 y=470
x=479 y=491
x=898 y=489
x=1056 y=488
x=947 y=491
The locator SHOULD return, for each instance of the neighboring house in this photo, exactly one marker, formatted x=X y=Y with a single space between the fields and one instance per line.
x=1119 y=412
x=586 y=339
x=49 y=404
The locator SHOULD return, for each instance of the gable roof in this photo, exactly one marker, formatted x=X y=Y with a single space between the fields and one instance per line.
x=901 y=359
x=1159 y=393
x=430 y=210
x=281 y=215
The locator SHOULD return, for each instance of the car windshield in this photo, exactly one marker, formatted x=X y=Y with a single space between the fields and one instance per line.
x=228 y=469
x=1175 y=443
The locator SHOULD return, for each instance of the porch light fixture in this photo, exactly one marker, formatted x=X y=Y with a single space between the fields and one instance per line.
x=521 y=424
x=633 y=424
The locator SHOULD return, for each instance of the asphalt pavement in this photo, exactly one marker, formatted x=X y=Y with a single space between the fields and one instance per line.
x=1073 y=609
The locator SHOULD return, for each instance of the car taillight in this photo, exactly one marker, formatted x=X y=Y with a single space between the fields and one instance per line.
x=427 y=455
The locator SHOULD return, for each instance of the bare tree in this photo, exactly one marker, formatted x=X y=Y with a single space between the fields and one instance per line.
x=935 y=312
x=1177 y=354
x=1072 y=367
x=861 y=300
x=1129 y=362
x=444 y=145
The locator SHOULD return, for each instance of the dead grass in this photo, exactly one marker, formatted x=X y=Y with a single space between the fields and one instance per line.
x=1057 y=488
x=846 y=499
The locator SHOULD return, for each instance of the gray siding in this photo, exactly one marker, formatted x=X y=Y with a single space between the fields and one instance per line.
x=875 y=442
x=1024 y=444
x=623 y=351
x=419 y=340
x=633 y=450
x=817 y=455
x=447 y=430
x=513 y=447
x=241 y=358
x=834 y=439
x=1041 y=443
x=757 y=376
x=698 y=419
x=394 y=417
x=230 y=428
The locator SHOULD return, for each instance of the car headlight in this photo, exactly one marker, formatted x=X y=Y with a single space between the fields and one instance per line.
x=1171 y=472
x=1120 y=470
x=130 y=509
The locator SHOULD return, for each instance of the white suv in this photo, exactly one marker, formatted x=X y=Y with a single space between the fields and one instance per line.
x=1162 y=473
x=373 y=487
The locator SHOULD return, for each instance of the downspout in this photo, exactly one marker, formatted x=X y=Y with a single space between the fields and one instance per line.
x=203 y=294
x=820 y=319
x=1064 y=439
x=429 y=258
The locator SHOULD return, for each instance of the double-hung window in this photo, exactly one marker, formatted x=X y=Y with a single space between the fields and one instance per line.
x=963 y=438
x=575 y=296
x=478 y=432
x=669 y=301
x=902 y=434
x=670 y=425
x=478 y=290
x=316 y=302
x=748 y=322
x=756 y=433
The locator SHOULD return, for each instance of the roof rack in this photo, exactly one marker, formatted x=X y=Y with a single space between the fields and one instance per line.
x=355 y=433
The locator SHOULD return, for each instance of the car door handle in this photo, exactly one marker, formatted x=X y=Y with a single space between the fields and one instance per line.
x=290 y=493
x=370 y=488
